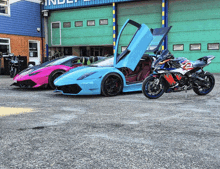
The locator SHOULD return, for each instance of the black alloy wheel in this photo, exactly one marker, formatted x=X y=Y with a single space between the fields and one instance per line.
x=209 y=83
x=55 y=74
x=112 y=84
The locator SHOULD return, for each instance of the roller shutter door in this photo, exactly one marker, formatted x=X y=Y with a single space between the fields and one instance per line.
x=84 y=35
x=148 y=12
x=195 y=22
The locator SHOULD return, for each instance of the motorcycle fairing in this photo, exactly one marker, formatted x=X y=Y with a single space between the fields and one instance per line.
x=136 y=48
x=159 y=35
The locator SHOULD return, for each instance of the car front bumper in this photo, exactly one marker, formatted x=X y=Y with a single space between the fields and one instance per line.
x=83 y=87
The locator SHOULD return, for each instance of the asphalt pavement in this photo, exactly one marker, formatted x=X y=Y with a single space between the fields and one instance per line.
x=43 y=129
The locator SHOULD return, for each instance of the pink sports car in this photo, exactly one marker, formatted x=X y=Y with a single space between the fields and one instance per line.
x=46 y=73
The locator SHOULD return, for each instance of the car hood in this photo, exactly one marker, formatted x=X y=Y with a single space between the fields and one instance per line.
x=31 y=69
x=73 y=75
x=54 y=62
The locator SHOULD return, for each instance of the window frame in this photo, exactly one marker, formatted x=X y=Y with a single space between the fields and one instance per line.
x=37 y=59
x=195 y=49
x=55 y=23
x=176 y=45
x=212 y=49
x=88 y=22
x=37 y=50
x=101 y=20
x=68 y=26
x=9 y=42
x=80 y=22
x=8 y=6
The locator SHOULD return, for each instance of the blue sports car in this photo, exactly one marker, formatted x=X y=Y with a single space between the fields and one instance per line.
x=123 y=72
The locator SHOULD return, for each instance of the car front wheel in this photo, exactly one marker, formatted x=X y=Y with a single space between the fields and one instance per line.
x=112 y=84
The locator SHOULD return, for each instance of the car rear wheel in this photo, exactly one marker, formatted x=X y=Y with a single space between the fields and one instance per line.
x=112 y=84
x=55 y=74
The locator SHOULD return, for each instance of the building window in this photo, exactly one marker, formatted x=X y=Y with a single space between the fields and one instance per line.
x=4 y=45
x=213 y=46
x=78 y=23
x=66 y=24
x=55 y=25
x=4 y=7
x=178 y=47
x=195 y=46
x=91 y=23
x=33 y=49
x=103 y=22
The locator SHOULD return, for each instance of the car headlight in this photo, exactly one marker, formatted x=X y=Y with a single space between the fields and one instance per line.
x=86 y=75
x=32 y=74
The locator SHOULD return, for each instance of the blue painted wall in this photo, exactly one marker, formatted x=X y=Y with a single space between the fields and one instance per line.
x=24 y=19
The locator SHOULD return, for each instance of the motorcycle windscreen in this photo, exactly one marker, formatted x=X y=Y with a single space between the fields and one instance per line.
x=132 y=42
x=159 y=35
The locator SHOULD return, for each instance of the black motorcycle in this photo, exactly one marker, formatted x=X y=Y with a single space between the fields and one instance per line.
x=14 y=65
x=178 y=74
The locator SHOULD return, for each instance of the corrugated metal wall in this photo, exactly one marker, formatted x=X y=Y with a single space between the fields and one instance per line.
x=195 y=22
x=148 y=12
x=85 y=35
x=24 y=19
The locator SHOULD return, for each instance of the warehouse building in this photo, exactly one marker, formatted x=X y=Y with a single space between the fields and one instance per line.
x=90 y=27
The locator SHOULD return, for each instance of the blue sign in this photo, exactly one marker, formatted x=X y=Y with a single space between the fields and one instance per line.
x=62 y=4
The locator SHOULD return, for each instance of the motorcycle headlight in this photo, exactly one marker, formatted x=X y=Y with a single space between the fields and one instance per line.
x=158 y=66
x=86 y=75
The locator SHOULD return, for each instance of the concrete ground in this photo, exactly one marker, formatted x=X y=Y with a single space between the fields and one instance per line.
x=43 y=129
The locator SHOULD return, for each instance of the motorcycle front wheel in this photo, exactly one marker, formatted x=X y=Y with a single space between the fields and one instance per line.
x=209 y=83
x=152 y=87
x=13 y=72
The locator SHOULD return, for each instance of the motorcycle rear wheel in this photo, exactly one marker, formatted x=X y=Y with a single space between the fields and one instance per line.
x=201 y=90
x=152 y=87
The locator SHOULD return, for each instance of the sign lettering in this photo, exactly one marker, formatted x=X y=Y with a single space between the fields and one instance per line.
x=60 y=2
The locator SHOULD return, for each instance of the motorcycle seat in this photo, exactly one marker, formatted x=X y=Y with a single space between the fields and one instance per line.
x=199 y=63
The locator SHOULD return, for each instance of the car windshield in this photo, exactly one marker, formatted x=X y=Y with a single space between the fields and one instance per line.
x=59 y=61
x=108 y=62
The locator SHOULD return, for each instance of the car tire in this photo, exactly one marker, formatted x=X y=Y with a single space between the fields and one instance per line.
x=112 y=84
x=55 y=74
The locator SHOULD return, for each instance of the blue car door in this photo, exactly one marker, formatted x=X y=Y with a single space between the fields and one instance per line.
x=159 y=35
x=136 y=48
x=143 y=40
